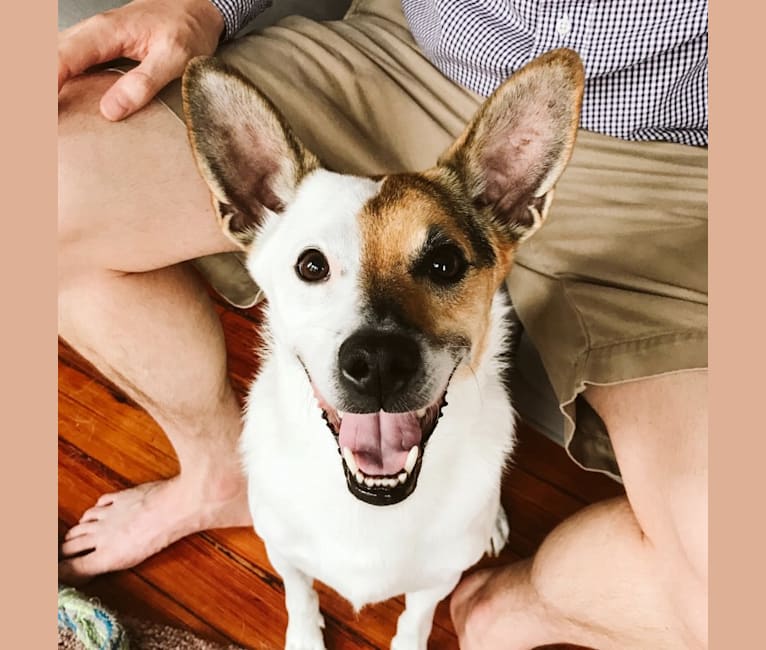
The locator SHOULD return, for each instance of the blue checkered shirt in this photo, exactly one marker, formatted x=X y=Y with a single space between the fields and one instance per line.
x=646 y=61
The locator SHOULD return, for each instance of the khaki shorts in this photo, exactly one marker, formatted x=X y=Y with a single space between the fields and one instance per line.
x=614 y=286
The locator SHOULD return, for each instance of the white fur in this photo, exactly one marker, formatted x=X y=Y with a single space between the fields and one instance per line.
x=312 y=525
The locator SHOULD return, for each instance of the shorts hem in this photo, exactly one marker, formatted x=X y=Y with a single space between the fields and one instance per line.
x=647 y=358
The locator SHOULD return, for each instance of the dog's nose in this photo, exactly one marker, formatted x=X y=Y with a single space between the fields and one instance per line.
x=378 y=365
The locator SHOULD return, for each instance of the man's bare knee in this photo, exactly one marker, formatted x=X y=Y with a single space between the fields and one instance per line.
x=659 y=431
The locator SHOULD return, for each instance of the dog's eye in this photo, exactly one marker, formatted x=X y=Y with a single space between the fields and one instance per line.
x=446 y=264
x=312 y=266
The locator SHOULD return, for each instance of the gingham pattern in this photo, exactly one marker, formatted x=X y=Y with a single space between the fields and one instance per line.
x=645 y=61
x=236 y=13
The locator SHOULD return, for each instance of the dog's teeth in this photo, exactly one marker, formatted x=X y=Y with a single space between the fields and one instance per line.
x=369 y=481
x=421 y=412
x=348 y=456
x=341 y=414
x=412 y=458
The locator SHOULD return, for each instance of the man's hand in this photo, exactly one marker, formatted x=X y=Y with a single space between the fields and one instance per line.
x=162 y=34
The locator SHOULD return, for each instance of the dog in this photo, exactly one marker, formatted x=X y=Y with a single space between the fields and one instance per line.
x=378 y=428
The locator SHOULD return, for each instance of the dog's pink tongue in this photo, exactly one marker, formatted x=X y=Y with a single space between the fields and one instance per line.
x=380 y=441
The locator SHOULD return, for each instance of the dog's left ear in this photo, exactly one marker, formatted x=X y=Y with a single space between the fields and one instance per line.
x=515 y=148
x=251 y=160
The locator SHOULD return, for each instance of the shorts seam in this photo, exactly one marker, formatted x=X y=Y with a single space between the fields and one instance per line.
x=580 y=318
x=585 y=280
x=662 y=337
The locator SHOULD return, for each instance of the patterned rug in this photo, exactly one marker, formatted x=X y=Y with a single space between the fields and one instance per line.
x=143 y=635
x=84 y=624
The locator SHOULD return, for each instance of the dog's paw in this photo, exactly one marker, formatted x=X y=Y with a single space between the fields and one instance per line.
x=499 y=537
x=305 y=634
x=305 y=644
x=315 y=642
x=406 y=642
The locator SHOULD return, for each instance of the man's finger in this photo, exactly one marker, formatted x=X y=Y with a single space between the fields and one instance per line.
x=137 y=87
x=87 y=44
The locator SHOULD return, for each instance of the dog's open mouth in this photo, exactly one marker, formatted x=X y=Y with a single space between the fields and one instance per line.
x=382 y=452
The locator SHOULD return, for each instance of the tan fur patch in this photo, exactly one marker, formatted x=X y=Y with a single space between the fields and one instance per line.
x=395 y=226
x=488 y=192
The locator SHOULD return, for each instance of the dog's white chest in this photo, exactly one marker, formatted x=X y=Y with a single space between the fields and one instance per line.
x=302 y=507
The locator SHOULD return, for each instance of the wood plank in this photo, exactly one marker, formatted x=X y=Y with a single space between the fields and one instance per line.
x=548 y=461
x=127 y=593
x=115 y=432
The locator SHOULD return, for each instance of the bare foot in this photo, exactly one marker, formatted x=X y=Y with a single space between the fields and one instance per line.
x=126 y=527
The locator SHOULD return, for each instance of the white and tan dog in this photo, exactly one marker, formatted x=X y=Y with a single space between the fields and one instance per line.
x=379 y=425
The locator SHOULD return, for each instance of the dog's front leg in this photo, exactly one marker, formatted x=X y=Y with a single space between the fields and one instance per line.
x=414 y=625
x=304 y=621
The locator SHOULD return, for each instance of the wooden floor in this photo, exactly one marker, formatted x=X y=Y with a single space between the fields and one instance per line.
x=219 y=584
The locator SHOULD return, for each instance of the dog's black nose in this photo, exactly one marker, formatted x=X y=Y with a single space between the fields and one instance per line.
x=378 y=365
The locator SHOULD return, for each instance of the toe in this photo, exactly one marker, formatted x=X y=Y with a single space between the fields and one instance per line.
x=79 y=530
x=75 y=571
x=96 y=513
x=78 y=545
x=106 y=499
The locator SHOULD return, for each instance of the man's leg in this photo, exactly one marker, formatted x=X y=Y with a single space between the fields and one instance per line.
x=623 y=574
x=132 y=207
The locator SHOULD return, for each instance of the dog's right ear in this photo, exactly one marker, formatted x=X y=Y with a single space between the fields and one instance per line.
x=519 y=142
x=251 y=160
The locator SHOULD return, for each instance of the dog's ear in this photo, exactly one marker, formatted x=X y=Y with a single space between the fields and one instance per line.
x=244 y=149
x=515 y=148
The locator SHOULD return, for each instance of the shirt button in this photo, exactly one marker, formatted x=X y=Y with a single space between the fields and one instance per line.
x=563 y=25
